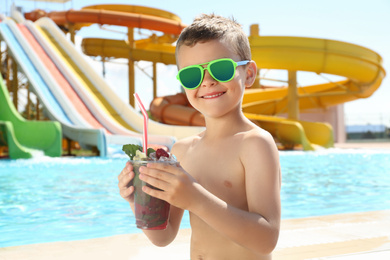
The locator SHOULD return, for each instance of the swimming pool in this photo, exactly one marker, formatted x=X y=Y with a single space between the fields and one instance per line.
x=61 y=199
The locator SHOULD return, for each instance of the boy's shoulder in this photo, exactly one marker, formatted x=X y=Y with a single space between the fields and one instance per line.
x=257 y=133
x=256 y=141
x=183 y=144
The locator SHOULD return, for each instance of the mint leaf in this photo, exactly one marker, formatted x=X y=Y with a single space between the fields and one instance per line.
x=130 y=150
x=149 y=151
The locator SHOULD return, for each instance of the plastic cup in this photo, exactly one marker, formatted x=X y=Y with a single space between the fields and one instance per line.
x=150 y=213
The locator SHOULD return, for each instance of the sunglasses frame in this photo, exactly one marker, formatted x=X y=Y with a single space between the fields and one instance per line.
x=202 y=69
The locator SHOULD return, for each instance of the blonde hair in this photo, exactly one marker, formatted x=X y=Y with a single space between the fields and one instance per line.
x=214 y=27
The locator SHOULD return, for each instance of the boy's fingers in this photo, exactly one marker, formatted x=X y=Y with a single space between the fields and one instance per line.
x=126 y=170
x=124 y=179
x=154 y=193
x=123 y=172
x=125 y=193
x=160 y=166
x=122 y=175
x=173 y=169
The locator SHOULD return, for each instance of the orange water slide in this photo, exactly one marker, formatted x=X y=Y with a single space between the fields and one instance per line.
x=176 y=110
x=120 y=15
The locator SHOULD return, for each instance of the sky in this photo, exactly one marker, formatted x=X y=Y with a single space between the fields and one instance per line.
x=361 y=22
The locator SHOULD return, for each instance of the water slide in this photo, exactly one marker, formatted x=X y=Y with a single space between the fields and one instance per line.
x=361 y=67
x=121 y=15
x=38 y=77
x=65 y=91
x=95 y=92
x=24 y=138
x=155 y=48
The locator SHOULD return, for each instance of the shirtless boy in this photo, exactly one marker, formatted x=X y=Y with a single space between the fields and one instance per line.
x=229 y=176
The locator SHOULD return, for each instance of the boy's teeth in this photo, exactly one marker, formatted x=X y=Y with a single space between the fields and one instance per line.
x=216 y=95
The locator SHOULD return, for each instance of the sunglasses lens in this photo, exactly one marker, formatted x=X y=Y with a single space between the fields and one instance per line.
x=222 y=70
x=190 y=77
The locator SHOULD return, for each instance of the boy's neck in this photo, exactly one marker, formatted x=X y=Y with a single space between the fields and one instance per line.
x=226 y=126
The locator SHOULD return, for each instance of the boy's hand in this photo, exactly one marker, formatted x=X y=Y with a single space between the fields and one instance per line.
x=175 y=184
x=125 y=189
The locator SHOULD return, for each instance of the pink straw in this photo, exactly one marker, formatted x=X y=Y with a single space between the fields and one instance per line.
x=146 y=118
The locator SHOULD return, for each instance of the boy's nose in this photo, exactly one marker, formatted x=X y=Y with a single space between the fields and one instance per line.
x=208 y=80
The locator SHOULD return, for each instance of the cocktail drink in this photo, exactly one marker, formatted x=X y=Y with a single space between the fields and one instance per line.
x=150 y=213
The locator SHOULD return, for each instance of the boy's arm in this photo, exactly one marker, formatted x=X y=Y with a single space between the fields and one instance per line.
x=258 y=228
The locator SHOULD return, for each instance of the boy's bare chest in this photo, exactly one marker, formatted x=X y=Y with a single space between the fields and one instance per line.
x=220 y=171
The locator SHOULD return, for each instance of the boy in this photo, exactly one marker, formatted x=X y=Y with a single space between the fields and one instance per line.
x=229 y=176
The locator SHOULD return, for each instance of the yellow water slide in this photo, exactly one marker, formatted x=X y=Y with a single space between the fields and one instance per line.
x=154 y=49
x=144 y=50
x=361 y=67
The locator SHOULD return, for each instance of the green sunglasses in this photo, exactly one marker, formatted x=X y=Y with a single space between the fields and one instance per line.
x=222 y=70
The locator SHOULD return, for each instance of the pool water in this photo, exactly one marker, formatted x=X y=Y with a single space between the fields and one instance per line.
x=334 y=181
x=62 y=199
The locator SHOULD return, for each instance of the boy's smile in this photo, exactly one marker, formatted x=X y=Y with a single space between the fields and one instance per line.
x=213 y=95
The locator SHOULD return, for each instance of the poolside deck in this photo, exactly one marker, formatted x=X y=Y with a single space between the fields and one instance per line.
x=364 y=145
x=344 y=236
x=354 y=236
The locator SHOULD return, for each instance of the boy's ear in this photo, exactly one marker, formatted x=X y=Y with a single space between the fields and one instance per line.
x=251 y=73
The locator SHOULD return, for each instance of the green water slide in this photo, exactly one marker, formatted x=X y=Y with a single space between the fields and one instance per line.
x=25 y=138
